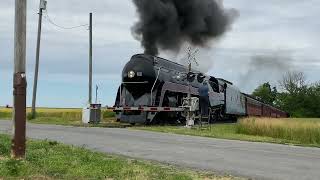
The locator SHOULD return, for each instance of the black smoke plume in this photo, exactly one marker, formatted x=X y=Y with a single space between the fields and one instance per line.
x=167 y=24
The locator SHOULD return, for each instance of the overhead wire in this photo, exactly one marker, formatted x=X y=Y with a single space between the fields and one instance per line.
x=59 y=26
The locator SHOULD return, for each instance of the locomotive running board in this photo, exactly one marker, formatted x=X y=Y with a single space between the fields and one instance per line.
x=147 y=109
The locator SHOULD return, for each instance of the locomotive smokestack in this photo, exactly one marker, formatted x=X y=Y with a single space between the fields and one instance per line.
x=167 y=24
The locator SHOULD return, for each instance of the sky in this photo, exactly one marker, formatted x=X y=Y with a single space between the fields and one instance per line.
x=268 y=39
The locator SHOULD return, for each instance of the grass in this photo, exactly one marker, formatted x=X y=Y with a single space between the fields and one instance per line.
x=61 y=116
x=51 y=160
x=306 y=131
x=302 y=132
x=5 y=113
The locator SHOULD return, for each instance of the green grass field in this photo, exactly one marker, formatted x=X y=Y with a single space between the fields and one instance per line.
x=51 y=160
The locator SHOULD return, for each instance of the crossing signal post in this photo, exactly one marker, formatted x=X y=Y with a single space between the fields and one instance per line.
x=190 y=77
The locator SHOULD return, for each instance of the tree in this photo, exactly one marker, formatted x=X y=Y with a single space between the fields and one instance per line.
x=298 y=98
x=266 y=93
x=293 y=97
x=293 y=82
x=313 y=100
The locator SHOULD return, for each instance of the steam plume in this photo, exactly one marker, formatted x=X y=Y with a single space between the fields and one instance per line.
x=265 y=68
x=167 y=24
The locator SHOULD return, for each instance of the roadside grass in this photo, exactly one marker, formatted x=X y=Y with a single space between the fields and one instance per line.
x=301 y=132
x=305 y=131
x=52 y=160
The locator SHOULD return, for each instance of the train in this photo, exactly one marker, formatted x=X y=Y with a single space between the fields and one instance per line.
x=152 y=89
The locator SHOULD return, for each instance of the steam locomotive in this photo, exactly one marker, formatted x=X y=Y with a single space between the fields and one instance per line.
x=150 y=81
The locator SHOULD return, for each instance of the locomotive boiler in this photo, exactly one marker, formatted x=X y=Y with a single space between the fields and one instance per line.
x=153 y=89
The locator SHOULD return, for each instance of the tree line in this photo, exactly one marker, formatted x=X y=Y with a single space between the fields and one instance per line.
x=293 y=95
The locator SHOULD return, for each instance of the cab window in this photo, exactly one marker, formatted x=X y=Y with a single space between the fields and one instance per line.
x=221 y=88
x=215 y=86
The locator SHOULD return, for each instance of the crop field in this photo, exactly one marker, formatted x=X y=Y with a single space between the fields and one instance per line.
x=61 y=116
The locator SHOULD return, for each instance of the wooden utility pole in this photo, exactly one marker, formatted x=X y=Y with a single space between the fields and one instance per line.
x=19 y=81
x=90 y=59
x=42 y=6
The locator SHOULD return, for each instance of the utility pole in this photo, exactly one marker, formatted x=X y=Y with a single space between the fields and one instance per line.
x=42 y=6
x=97 y=94
x=19 y=81
x=90 y=59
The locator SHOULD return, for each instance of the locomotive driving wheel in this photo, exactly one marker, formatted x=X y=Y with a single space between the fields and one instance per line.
x=213 y=116
x=216 y=115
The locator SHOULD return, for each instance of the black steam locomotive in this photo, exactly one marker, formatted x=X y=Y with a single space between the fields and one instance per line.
x=150 y=81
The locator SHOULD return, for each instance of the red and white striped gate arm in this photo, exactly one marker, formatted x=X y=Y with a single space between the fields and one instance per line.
x=148 y=109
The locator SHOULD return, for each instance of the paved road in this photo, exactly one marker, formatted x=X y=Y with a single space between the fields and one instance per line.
x=247 y=159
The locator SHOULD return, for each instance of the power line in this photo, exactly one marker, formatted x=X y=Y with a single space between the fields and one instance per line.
x=59 y=26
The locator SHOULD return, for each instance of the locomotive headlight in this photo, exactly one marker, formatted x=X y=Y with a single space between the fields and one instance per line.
x=131 y=74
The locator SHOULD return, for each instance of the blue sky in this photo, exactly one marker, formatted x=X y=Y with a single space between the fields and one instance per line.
x=284 y=35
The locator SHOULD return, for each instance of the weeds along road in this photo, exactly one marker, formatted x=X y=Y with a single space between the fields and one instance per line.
x=253 y=160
